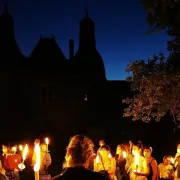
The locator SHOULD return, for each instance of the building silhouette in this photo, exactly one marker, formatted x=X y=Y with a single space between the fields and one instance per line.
x=47 y=92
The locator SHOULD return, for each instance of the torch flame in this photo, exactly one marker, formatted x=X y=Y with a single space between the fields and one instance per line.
x=172 y=160
x=20 y=147
x=37 y=152
x=25 y=151
x=97 y=159
x=46 y=140
x=137 y=159
x=124 y=154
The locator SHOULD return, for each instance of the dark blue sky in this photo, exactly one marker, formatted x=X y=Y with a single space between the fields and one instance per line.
x=120 y=28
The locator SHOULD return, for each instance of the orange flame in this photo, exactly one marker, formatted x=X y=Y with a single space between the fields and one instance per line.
x=25 y=151
x=97 y=159
x=20 y=147
x=46 y=140
x=37 y=152
x=124 y=154
x=109 y=155
x=172 y=160
x=137 y=159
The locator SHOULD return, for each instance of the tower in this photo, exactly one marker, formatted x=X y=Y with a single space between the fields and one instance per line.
x=87 y=61
x=8 y=45
x=87 y=33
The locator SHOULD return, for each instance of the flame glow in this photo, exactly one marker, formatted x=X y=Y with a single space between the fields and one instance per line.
x=46 y=140
x=109 y=155
x=25 y=151
x=137 y=159
x=172 y=160
x=124 y=154
x=97 y=159
x=20 y=147
x=37 y=152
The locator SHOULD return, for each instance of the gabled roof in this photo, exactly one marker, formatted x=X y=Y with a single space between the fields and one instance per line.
x=47 y=49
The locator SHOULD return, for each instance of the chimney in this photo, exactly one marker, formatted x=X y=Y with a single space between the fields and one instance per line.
x=71 y=48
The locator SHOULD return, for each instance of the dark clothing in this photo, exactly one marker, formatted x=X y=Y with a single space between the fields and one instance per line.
x=81 y=173
x=150 y=175
x=120 y=168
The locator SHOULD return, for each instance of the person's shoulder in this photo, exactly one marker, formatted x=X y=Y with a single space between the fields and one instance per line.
x=97 y=176
x=82 y=173
x=170 y=166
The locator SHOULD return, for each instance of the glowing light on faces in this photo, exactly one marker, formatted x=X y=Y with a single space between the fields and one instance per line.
x=14 y=149
x=43 y=148
x=147 y=152
x=118 y=150
x=135 y=150
x=4 y=149
x=167 y=161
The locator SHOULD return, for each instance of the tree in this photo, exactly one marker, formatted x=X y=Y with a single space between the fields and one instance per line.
x=156 y=82
x=156 y=90
x=164 y=15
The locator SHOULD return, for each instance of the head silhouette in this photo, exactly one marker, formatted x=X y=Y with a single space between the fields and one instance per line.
x=79 y=151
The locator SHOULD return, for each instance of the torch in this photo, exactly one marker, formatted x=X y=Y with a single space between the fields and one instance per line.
x=172 y=160
x=37 y=164
x=20 y=147
x=47 y=143
x=137 y=161
x=97 y=159
x=24 y=154
x=124 y=154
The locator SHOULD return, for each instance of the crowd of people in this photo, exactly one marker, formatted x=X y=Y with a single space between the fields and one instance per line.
x=131 y=161
x=11 y=159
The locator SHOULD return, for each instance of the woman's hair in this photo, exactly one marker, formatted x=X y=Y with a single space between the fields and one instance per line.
x=123 y=147
x=79 y=150
x=139 y=145
x=166 y=156
x=104 y=147
x=149 y=148
x=127 y=147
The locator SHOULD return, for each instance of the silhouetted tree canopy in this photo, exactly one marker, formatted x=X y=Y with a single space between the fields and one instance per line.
x=156 y=82
x=164 y=15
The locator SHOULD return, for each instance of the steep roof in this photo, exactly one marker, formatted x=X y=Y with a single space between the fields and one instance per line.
x=47 y=49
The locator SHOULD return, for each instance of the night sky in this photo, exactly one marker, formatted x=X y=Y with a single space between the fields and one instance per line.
x=120 y=28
